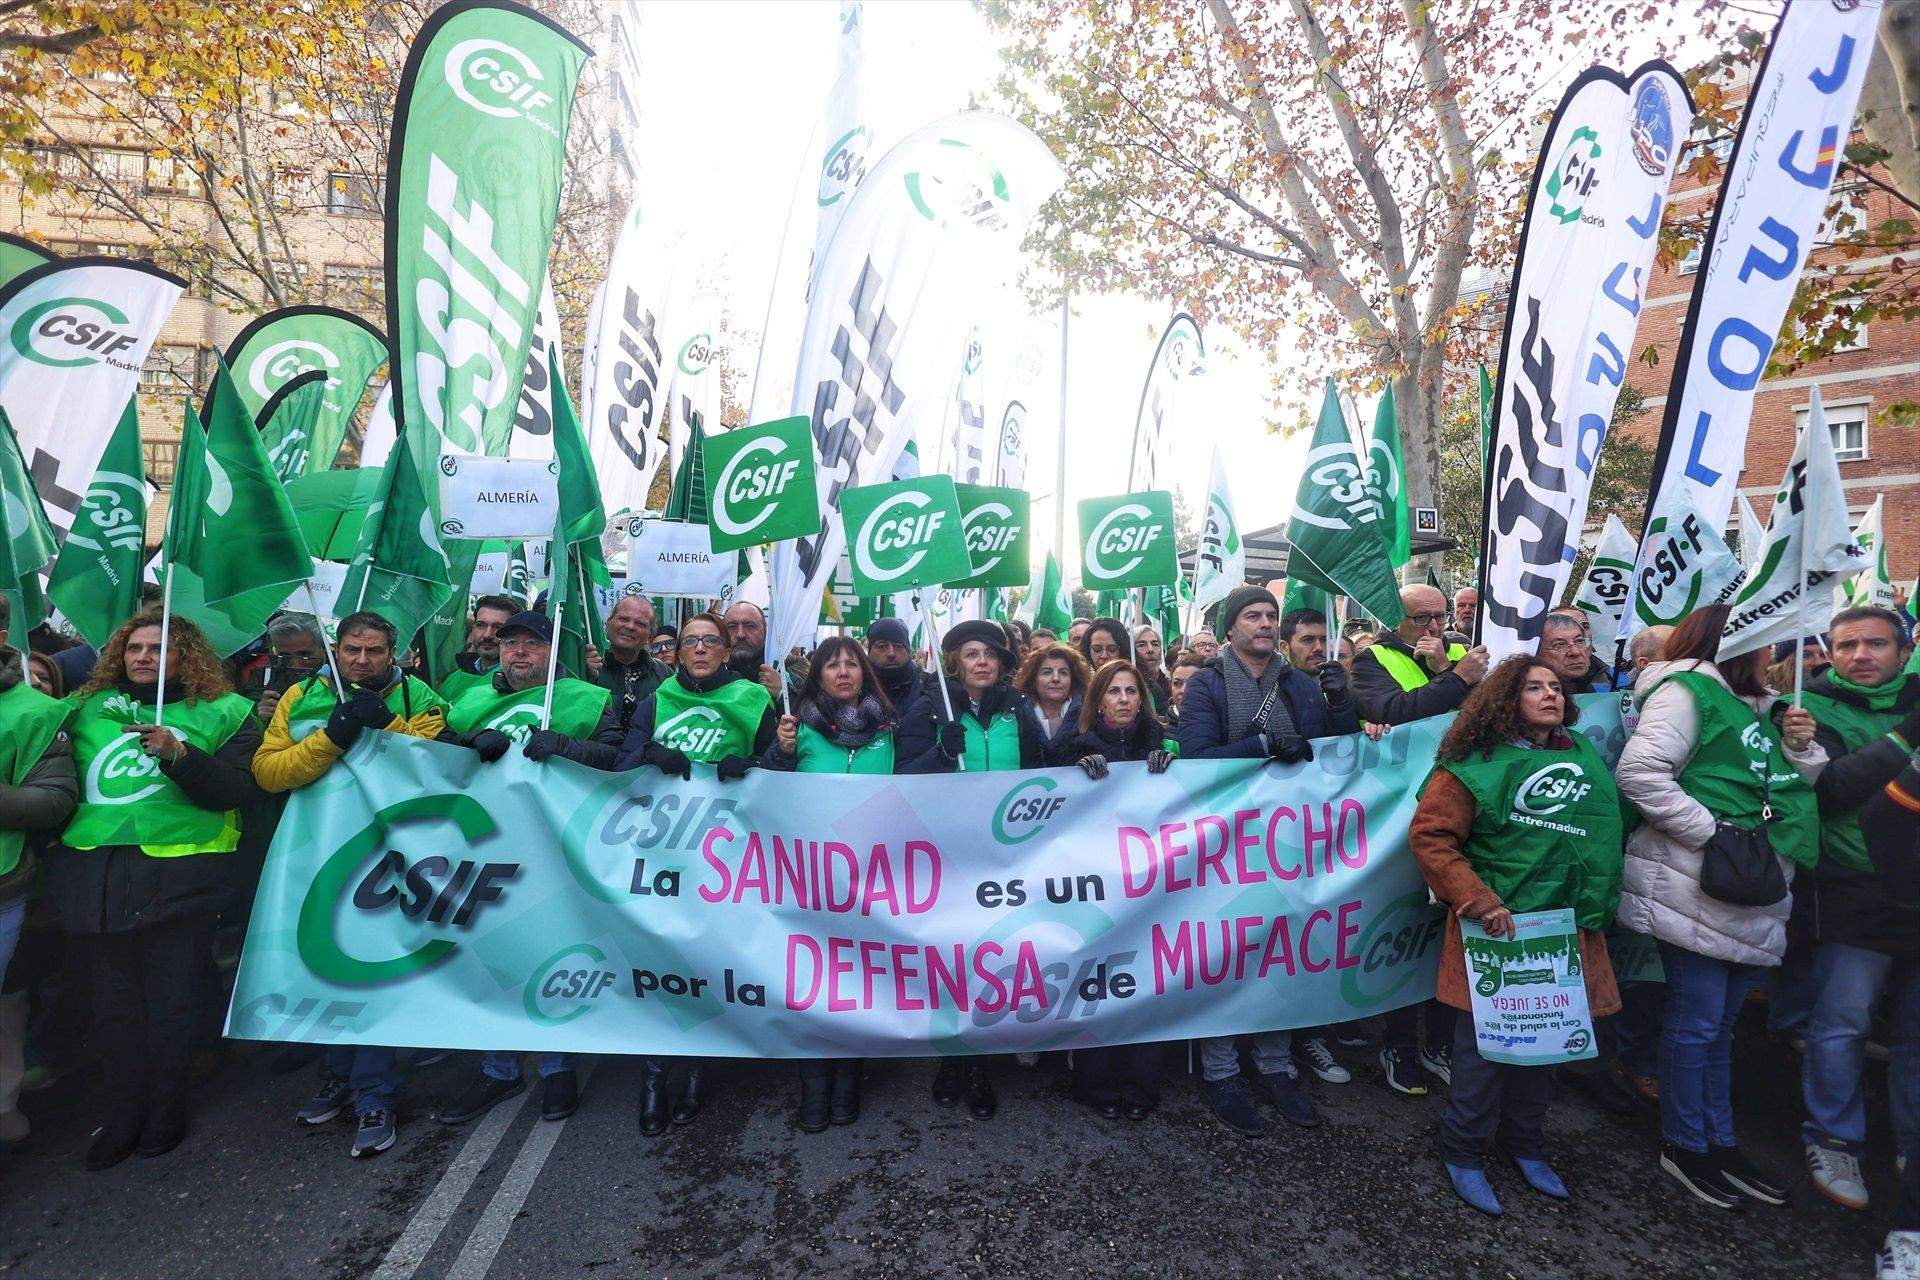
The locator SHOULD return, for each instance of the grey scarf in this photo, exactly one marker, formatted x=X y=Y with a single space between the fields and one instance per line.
x=1245 y=694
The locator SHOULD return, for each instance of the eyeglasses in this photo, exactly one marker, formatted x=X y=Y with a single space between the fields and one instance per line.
x=1426 y=619
x=702 y=642
x=1564 y=646
x=663 y=646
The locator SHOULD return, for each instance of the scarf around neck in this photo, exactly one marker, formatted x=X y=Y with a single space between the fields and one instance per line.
x=1877 y=697
x=1245 y=694
x=852 y=724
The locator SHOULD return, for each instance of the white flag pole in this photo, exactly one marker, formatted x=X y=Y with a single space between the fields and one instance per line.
x=333 y=664
x=1816 y=418
x=940 y=677
x=166 y=625
x=553 y=654
x=779 y=667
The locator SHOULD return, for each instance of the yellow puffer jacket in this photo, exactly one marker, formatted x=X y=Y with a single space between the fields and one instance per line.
x=281 y=764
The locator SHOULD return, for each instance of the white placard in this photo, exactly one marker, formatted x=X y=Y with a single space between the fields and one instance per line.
x=326 y=580
x=676 y=558
x=489 y=573
x=510 y=498
x=1529 y=994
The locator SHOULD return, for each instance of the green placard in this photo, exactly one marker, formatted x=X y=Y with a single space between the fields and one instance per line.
x=760 y=484
x=1127 y=541
x=996 y=523
x=905 y=534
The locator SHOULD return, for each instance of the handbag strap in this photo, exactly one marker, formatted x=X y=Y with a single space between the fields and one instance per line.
x=1259 y=723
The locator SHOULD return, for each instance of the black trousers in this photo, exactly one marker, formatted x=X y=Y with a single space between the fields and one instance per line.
x=1126 y=1074
x=147 y=990
x=1401 y=1028
x=1492 y=1099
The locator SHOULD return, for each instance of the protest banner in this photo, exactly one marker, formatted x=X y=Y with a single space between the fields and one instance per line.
x=905 y=534
x=416 y=896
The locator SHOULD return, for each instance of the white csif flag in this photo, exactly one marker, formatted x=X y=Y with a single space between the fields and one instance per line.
x=1604 y=588
x=1875 y=584
x=533 y=416
x=1221 y=562
x=629 y=358
x=941 y=213
x=1753 y=534
x=1809 y=547
x=696 y=377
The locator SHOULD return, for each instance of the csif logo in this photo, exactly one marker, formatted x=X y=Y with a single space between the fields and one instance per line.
x=843 y=166
x=1335 y=469
x=1551 y=789
x=282 y=361
x=893 y=527
x=111 y=513
x=518 y=722
x=71 y=333
x=696 y=731
x=123 y=773
x=765 y=482
x=696 y=354
x=495 y=78
x=1127 y=530
x=990 y=532
x=957 y=185
x=1574 y=176
x=557 y=993
x=1025 y=811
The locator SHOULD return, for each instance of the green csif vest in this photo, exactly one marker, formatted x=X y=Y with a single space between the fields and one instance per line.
x=459 y=683
x=1408 y=671
x=709 y=727
x=1546 y=828
x=1858 y=727
x=577 y=706
x=406 y=699
x=1736 y=751
x=820 y=754
x=997 y=746
x=29 y=722
x=125 y=798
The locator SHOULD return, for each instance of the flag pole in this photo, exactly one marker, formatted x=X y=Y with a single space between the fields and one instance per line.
x=333 y=663
x=940 y=678
x=553 y=656
x=780 y=667
x=1808 y=523
x=166 y=625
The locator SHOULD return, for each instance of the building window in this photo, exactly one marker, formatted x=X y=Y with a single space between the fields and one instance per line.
x=354 y=196
x=1691 y=263
x=173 y=175
x=355 y=288
x=1848 y=423
x=119 y=166
x=172 y=369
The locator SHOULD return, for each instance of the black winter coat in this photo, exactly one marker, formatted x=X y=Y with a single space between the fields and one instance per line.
x=916 y=746
x=1143 y=737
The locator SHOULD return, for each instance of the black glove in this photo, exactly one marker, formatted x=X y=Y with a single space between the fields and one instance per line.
x=543 y=743
x=1909 y=729
x=369 y=710
x=953 y=740
x=1288 y=748
x=490 y=744
x=1334 y=685
x=733 y=768
x=343 y=727
x=668 y=760
x=1094 y=766
x=1158 y=760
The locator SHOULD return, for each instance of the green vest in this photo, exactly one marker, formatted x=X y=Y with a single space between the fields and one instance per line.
x=318 y=700
x=1737 y=749
x=709 y=727
x=1546 y=828
x=576 y=709
x=995 y=747
x=820 y=754
x=126 y=799
x=1858 y=727
x=1408 y=671
x=457 y=684
x=29 y=722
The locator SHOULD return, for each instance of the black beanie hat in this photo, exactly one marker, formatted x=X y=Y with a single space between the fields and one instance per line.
x=1241 y=598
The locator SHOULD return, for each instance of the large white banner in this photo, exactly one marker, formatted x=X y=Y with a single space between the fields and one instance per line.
x=1593 y=221
x=629 y=365
x=533 y=417
x=1604 y=587
x=76 y=333
x=935 y=218
x=1772 y=201
x=1179 y=358
x=676 y=558
x=696 y=378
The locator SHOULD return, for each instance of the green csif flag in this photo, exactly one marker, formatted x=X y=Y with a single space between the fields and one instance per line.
x=96 y=580
x=29 y=540
x=1386 y=482
x=1486 y=418
x=578 y=561
x=1054 y=609
x=1127 y=541
x=287 y=424
x=760 y=484
x=305 y=344
x=1336 y=542
x=249 y=538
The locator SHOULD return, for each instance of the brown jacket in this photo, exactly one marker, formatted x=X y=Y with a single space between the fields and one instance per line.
x=1439 y=837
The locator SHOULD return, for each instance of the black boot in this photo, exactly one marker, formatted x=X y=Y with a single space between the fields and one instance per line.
x=980 y=1100
x=115 y=1140
x=946 y=1082
x=166 y=1125
x=816 y=1091
x=846 y=1091
x=692 y=1094
x=653 y=1096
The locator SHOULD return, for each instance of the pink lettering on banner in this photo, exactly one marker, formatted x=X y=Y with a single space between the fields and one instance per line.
x=1141 y=884
x=853 y=973
x=815 y=875
x=1207 y=953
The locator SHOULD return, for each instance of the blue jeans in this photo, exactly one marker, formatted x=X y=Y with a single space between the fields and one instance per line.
x=13 y=916
x=1696 y=1047
x=1791 y=991
x=1219 y=1060
x=1852 y=981
x=504 y=1064
x=372 y=1073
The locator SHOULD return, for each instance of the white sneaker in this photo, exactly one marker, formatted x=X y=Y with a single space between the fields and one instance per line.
x=1836 y=1174
x=1320 y=1061
x=1027 y=1059
x=1900 y=1258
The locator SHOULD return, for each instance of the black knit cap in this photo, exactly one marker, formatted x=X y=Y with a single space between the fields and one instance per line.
x=1241 y=598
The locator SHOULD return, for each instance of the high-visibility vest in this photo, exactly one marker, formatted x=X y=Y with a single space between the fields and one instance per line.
x=1408 y=671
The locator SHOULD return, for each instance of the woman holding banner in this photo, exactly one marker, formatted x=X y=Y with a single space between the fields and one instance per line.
x=981 y=724
x=841 y=723
x=1486 y=857
x=706 y=714
x=1054 y=677
x=1117 y=725
x=145 y=863
x=1706 y=767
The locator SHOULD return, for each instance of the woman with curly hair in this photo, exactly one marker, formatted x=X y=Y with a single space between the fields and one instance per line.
x=1054 y=677
x=143 y=866
x=1485 y=847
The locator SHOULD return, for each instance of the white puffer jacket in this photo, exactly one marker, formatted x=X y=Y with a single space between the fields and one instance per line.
x=1661 y=891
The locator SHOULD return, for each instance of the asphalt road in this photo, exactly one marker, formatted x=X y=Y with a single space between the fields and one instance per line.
x=911 y=1190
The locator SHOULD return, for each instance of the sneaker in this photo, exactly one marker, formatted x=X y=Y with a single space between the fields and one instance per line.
x=1283 y=1091
x=326 y=1104
x=1352 y=1039
x=1321 y=1062
x=1697 y=1172
x=479 y=1099
x=1836 y=1175
x=1439 y=1061
x=1748 y=1177
x=1404 y=1074
x=1027 y=1059
x=1231 y=1108
x=1899 y=1258
x=373 y=1132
